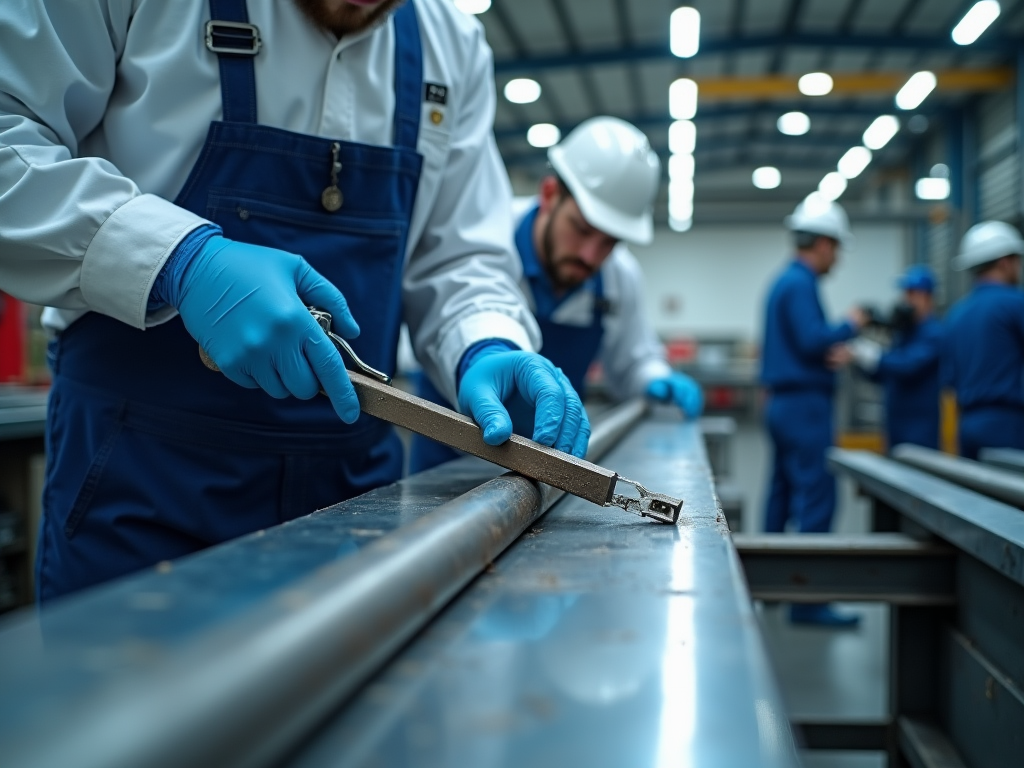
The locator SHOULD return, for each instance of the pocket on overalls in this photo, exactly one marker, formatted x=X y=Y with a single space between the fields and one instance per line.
x=360 y=253
x=82 y=432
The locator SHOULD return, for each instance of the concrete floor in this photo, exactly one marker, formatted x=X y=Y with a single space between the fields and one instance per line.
x=822 y=673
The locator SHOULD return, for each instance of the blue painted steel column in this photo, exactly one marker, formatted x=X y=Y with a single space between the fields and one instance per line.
x=1020 y=130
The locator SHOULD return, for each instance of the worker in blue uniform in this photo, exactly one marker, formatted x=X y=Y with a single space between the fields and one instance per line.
x=909 y=370
x=796 y=360
x=983 y=354
x=195 y=174
x=584 y=286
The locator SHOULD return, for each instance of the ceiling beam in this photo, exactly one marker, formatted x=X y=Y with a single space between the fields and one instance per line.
x=573 y=44
x=727 y=45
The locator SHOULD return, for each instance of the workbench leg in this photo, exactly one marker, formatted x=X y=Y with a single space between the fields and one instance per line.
x=915 y=661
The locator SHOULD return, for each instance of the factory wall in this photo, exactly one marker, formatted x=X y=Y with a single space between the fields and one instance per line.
x=711 y=282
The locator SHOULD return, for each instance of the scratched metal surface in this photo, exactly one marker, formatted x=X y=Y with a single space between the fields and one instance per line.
x=597 y=639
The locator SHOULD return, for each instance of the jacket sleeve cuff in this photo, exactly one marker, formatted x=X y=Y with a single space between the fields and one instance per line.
x=648 y=371
x=127 y=253
x=475 y=328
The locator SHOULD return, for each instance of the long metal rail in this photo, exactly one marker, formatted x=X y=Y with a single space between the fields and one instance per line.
x=993 y=482
x=243 y=691
x=1004 y=458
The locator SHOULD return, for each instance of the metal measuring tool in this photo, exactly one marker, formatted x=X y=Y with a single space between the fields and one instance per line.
x=539 y=462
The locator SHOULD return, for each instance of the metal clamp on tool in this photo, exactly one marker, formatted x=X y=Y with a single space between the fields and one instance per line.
x=519 y=454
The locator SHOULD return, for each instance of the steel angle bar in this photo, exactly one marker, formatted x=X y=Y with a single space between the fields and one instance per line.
x=1011 y=459
x=988 y=529
x=882 y=567
x=246 y=693
x=990 y=481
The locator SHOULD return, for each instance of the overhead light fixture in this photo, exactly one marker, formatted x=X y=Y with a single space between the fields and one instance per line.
x=682 y=137
x=853 y=163
x=916 y=90
x=682 y=99
x=543 y=135
x=815 y=84
x=881 y=131
x=767 y=177
x=680 y=167
x=832 y=186
x=522 y=90
x=684 y=32
x=932 y=189
x=976 y=21
x=680 y=225
x=794 y=124
x=473 y=6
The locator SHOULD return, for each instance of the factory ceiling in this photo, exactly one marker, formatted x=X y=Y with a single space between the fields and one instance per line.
x=613 y=57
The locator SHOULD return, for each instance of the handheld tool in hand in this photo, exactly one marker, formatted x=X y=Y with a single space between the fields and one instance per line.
x=562 y=470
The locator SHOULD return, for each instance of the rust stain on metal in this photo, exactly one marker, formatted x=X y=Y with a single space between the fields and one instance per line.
x=562 y=470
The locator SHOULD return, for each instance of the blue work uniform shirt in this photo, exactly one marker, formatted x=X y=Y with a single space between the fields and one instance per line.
x=796 y=334
x=909 y=373
x=983 y=356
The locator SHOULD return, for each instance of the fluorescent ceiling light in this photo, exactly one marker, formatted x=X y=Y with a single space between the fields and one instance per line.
x=680 y=189
x=684 y=32
x=680 y=209
x=916 y=90
x=682 y=137
x=767 y=177
x=832 y=186
x=682 y=99
x=853 y=163
x=975 y=21
x=815 y=84
x=932 y=189
x=680 y=225
x=881 y=131
x=543 y=135
x=680 y=167
x=794 y=124
x=522 y=90
x=473 y=6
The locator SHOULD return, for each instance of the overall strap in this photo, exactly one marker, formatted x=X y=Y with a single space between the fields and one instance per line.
x=236 y=43
x=408 y=76
x=601 y=304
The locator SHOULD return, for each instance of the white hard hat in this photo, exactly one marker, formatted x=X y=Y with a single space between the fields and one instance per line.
x=819 y=216
x=613 y=174
x=987 y=242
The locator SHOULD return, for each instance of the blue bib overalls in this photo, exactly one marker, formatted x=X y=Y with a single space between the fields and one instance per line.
x=150 y=455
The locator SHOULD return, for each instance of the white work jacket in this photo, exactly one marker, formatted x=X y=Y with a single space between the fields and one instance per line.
x=631 y=355
x=105 y=105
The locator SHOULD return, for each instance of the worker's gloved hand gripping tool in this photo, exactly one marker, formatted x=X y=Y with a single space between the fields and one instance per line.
x=562 y=470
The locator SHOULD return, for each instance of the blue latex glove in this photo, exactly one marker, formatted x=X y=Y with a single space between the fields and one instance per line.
x=680 y=389
x=495 y=376
x=246 y=305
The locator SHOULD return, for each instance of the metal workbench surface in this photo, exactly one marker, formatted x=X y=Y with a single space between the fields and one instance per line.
x=22 y=412
x=595 y=640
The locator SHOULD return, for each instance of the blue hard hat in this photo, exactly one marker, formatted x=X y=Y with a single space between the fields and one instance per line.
x=918 y=278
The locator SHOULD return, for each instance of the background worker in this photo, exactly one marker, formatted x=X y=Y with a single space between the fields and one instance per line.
x=799 y=350
x=983 y=354
x=166 y=179
x=584 y=286
x=909 y=370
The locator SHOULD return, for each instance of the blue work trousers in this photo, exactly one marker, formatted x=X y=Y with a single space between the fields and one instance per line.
x=802 y=490
x=991 y=427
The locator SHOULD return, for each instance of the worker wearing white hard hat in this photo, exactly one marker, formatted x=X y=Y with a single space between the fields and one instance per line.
x=584 y=286
x=800 y=348
x=983 y=356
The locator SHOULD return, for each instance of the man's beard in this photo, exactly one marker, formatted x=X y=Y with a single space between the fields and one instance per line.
x=551 y=263
x=345 y=19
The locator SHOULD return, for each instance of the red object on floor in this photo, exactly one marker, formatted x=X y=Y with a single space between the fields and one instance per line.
x=13 y=333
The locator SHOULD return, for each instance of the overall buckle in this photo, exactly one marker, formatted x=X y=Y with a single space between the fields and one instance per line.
x=233 y=37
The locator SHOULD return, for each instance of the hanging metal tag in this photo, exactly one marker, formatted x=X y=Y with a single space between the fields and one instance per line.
x=331 y=198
